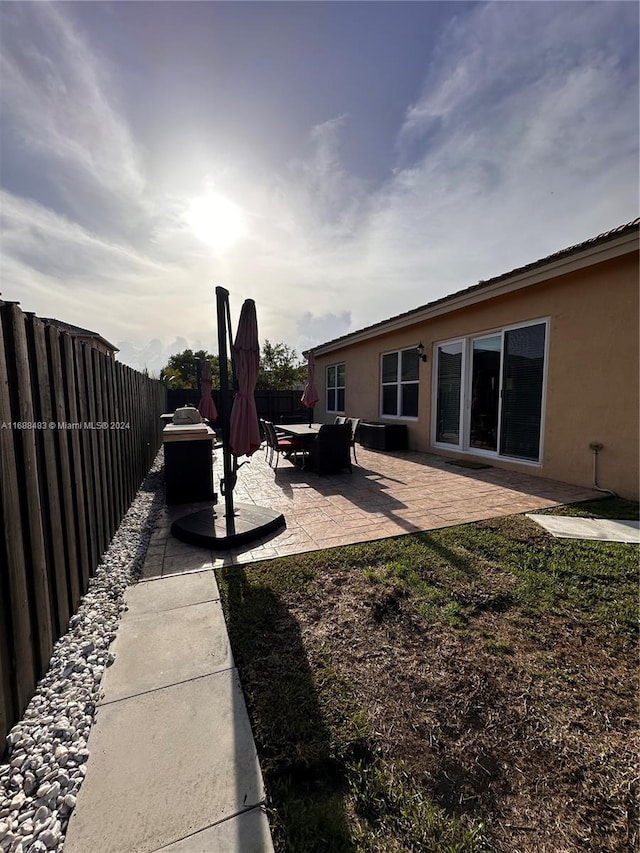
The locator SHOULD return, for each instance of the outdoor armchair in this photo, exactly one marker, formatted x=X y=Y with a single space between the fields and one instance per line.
x=276 y=444
x=330 y=451
x=354 y=423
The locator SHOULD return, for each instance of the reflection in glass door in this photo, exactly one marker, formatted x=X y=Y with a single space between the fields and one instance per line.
x=485 y=392
x=449 y=385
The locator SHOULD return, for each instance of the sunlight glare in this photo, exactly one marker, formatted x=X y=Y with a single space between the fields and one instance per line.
x=216 y=220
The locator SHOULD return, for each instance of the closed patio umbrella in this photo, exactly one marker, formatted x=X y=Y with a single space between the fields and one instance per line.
x=310 y=393
x=244 y=437
x=206 y=406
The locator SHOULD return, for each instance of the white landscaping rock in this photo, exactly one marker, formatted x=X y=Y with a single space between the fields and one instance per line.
x=47 y=749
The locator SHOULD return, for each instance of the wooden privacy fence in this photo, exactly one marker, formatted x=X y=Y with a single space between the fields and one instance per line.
x=78 y=433
x=271 y=405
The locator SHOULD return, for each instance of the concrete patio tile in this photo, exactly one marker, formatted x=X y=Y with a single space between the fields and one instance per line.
x=154 y=552
x=258 y=554
x=193 y=558
x=150 y=597
x=175 y=548
x=152 y=568
x=246 y=833
x=187 y=642
x=298 y=548
x=165 y=765
x=386 y=495
x=601 y=529
x=334 y=542
x=322 y=531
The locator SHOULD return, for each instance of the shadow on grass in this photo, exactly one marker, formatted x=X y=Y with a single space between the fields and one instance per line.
x=304 y=776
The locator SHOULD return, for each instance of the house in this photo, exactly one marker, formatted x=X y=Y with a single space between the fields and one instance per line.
x=534 y=370
x=85 y=336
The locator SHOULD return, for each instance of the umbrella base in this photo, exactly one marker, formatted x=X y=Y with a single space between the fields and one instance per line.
x=209 y=530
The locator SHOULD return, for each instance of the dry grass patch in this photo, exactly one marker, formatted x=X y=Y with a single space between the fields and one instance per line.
x=469 y=689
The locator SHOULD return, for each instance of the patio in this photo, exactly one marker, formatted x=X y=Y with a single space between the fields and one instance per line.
x=387 y=495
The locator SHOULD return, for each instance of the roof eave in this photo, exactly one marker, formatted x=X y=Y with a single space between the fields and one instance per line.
x=588 y=256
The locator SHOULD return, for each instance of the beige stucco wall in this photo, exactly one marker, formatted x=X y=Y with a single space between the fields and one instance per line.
x=592 y=373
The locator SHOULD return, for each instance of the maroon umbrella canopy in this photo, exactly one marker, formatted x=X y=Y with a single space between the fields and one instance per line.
x=244 y=430
x=310 y=393
x=206 y=406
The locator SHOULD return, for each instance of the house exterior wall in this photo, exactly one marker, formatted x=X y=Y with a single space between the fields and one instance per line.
x=96 y=344
x=592 y=371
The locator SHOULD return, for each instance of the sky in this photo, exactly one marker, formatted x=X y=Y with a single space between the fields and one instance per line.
x=338 y=162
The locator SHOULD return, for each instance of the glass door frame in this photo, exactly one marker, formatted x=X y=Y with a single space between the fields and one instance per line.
x=435 y=361
x=463 y=445
x=468 y=399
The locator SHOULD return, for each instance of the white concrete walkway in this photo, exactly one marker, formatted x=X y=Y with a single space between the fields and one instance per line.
x=173 y=765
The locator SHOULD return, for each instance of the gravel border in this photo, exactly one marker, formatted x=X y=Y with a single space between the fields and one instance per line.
x=47 y=749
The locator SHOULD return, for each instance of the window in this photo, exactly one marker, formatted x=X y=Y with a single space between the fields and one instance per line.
x=400 y=381
x=489 y=392
x=335 y=388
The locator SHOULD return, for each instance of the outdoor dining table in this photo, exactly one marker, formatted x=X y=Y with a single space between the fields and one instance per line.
x=303 y=431
x=306 y=433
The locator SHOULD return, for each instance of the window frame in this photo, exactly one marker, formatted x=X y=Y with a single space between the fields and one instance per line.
x=399 y=382
x=335 y=388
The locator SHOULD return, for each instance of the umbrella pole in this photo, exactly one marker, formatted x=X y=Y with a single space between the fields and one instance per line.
x=246 y=522
x=222 y=306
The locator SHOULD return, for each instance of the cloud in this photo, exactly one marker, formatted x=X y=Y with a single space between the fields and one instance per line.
x=312 y=328
x=524 y=140
x=55 y=93
x=152 y=356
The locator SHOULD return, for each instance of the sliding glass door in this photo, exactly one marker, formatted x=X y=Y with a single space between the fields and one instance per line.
x=522 y=385
x=490 y=392
x=485 y=392
x=449 y=387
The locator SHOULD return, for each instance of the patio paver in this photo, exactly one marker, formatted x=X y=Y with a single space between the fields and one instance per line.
x=386 y=495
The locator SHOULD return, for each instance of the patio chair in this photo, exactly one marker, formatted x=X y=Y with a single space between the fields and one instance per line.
x=340 y=420
x=354 y=424
x=276 y=444
x=330 y=452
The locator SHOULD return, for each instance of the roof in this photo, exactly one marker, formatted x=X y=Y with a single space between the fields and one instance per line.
x=78 y=331
x=556 y=263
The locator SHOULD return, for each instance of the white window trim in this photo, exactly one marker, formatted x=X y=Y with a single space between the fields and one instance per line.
x=336 y=388
x=399 y=383
x=467 y=343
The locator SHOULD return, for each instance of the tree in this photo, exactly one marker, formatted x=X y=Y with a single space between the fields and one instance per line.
x=182 y=372
x=280 y=369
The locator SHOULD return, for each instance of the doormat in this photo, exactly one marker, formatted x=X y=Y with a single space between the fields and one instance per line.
x=464 y=463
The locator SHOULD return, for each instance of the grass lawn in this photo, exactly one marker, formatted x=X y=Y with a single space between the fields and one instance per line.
x=464 y=690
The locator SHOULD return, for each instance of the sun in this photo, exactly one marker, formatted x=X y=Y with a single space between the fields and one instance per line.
x=216 y=220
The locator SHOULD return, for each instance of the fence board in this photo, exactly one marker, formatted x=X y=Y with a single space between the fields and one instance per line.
x=87 y=457
x=95 y=451
x=126 y=415
x=43 y=587
x=116 y=435
x=67 y=353
x=29 y=483
x=102 y=449
x=64 y=470
x=23 y=659
x=107 y=411
x=50 y=493
x=63 y=491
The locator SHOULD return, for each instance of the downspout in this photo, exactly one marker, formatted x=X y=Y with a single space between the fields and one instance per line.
x=597 y=446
